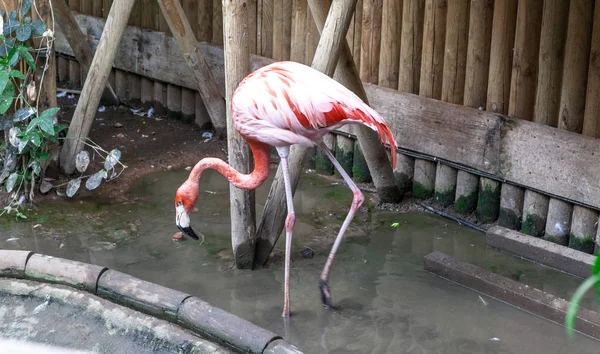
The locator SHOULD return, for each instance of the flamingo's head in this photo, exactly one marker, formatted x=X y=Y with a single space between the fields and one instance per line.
x=185 y=200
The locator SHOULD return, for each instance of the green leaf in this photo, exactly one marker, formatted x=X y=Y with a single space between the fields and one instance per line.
x=13 y=56
x=59 y=127
x=49 y=113
x=25 y=7
x=23 y=32
x=42 y=155
x=24 y=52
x=32 y=124
x=17 y=74
x=47 y=126
x=596 y=271
x=35 y=167
x=574 y=305
x=36 y=139
x=38 y=27
x=395 y=224
x=7 y=97
x=4 y=79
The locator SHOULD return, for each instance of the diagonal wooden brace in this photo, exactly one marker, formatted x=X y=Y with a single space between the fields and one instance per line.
x=183 y=33
x=81 y=48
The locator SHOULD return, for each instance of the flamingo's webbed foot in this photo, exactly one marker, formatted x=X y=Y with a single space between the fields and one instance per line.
x=325 y=293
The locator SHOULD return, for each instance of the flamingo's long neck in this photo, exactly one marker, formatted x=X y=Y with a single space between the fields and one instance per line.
x=260 y=151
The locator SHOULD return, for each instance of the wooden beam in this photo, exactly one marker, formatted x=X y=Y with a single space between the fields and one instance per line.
x=98 y=76
x=334 y=28
x=237 y=66
x=194 y=57
x=81 y=48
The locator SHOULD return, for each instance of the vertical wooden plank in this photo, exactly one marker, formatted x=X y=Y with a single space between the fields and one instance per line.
x=173 y=101
x=205 y=20
x=577 y=50
x=391 y=26
x=371 y=41
x=252 y=6
x=300 y=10
x=412 y=43
x=97 y=8
x=62 y=67
x=191 y=12
x=478 y=52
x=455 y=58
x=591 y=120
x=160 y=98
x=74 y=70
x=135 y=19
x=188 y=105
x=149 y=20
x=501 y=51
x=202 y=118
x=278 y=35
x=237 y=65
x=217 y=24
x=287 y=29
x=525 y=59
x=86 y=7
x=357 y=37
x=106 y=4
x=266 y=29
x=551 y=56
x=134 y=82
x=312 y=38
x=121 y=85
x=434 y=37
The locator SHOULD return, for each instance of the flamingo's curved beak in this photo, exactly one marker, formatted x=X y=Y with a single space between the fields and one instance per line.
x=182 y=219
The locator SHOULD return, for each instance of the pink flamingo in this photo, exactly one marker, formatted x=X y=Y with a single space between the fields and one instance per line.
x=282 y=104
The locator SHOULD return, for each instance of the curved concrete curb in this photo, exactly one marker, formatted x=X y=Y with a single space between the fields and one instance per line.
x=159 y=301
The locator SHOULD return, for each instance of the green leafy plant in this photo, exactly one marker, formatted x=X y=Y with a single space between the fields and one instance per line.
x=593 y=281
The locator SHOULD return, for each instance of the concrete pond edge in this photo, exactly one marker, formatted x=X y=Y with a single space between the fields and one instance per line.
x=541 y=251
x=510 y=291
x=168 y=304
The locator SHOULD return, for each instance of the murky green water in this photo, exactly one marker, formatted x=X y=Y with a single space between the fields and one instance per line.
x=386 y=302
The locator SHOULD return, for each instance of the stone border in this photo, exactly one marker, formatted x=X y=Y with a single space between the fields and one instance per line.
x=149 y=298
x=504 y=289
x=541 y=251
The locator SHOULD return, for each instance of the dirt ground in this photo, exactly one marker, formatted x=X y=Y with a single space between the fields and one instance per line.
x=147 y=144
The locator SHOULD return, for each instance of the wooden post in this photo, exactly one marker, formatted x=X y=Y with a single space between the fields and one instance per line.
x=577 y=50
x=591 y=119
x=312 y=38
x=80 y=46
x=217 y=22
x=455 y=58
x=535 y=214
x=503 y=36
x=265 y=28
x=583 y=229
x=98 y=75
x=511 y=206
x=205 y=18
x=355 y=33
x=391 y=24
x=551 y=55
x=404 y=172
x=300 y=11
x=237 y=66
x=371 y=41
x=424 y=179
x=558 y=225
x=476 y=82
x=332 y=40
x=412 y=43
x=488 y=201
x=445 y=185
x=434 y=38
x=186 y=39
x=74 y=70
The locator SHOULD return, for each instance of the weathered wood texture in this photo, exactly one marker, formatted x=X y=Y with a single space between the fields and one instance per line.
x=82 y=50
x=577 y=49
x=453 y=83
x=591 y=120
x=371 y=41
x=478 y=52
x=99 y=70
x=412 y=44
x=389 y=59
x=195 y=59
x=432 y=60
x=551 y=55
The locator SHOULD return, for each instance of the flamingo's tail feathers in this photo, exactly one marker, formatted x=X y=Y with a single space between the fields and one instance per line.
x=376 y=122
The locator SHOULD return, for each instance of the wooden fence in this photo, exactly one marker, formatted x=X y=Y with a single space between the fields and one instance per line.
x=531 y=59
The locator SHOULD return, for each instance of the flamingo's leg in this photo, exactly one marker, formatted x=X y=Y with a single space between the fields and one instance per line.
x=357 y=201
x=289 y=226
